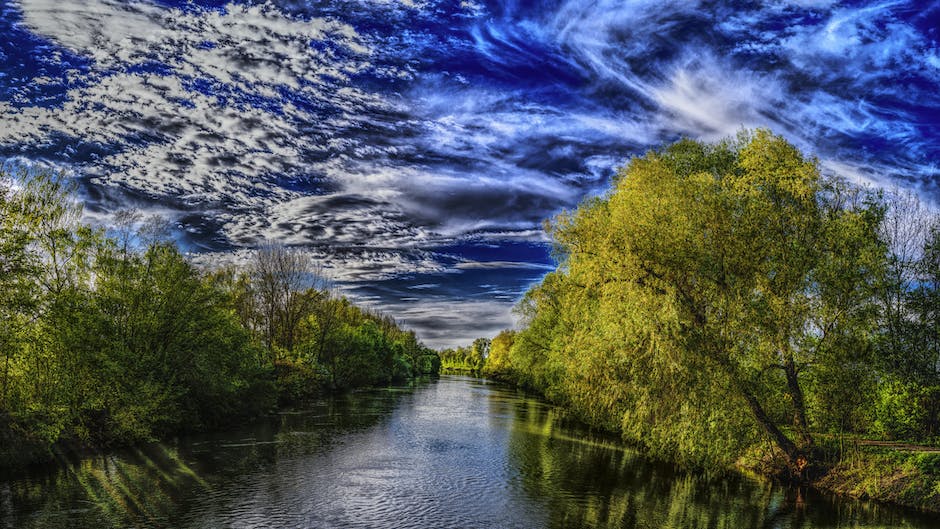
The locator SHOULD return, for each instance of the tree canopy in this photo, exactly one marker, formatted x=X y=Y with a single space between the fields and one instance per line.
x=116 y=337
x=717 y=295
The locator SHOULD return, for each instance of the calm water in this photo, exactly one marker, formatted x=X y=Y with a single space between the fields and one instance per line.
x=457 y=452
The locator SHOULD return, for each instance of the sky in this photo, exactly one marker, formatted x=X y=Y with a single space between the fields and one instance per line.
x=416 y=147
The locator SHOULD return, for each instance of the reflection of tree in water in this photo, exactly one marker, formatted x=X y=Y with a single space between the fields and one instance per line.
x=586 y=479
x=138 y=487
x=578 y=478
x=151 y=486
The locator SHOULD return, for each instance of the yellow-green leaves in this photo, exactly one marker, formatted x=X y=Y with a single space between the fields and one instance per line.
x=693 y=298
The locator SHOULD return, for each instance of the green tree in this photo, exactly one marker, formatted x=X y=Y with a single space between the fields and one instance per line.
x=714 y=278
x=499 y=361
x=117 y=337
x=908 y=403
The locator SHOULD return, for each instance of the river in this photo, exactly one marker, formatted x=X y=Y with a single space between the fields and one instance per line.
x=455 y=452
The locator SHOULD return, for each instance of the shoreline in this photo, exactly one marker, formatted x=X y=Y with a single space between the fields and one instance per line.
x=878 y=473
x=19 y=454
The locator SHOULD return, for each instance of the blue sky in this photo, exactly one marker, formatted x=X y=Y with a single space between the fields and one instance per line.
x=415 y=147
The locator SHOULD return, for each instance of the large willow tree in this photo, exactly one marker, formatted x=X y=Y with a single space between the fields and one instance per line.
x=699 y=300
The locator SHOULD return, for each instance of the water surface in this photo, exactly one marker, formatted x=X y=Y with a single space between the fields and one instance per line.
x=456 y=452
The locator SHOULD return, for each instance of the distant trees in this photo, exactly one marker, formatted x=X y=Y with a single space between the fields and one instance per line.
x=311 y=333
x=724 y=293
x=119 y=338
x=466 y=359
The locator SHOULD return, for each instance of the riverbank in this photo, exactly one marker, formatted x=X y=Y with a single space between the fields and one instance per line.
x=889 y=473
x=293 y=386
x=910 y=479
x=455 y=452
x=470 y=372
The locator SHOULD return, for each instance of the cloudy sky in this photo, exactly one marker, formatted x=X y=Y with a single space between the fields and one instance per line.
x=416 y=146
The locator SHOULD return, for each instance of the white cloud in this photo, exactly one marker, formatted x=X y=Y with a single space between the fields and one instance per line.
x=709 y=100
x=450 y=322
x=858 y=45
x=273 y=121
x=171 y=139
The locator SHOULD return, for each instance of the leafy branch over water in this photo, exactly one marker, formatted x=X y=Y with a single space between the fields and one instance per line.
x=723 y=296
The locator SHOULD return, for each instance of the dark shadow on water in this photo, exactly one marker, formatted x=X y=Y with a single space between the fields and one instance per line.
x=589 y=479
x=454 y=452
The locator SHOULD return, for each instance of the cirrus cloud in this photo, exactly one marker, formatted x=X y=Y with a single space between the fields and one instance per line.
x=416 y=147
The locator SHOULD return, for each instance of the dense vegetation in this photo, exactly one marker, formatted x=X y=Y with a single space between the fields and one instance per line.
x=116 y=337
x=727 y=299
x=465 y=359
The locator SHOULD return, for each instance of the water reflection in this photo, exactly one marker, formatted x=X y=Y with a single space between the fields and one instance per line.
x=137 y=486
x=458 y=452
x=589 y=479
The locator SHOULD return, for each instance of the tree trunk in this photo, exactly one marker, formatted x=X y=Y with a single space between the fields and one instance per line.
x=795 y=456
x=6 y=377
x=841 y=441
x=799 y=404
x=782 y=441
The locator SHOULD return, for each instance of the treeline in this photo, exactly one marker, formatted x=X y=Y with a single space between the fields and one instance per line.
x=118 y=338
x=465 y=359
x=723 y=299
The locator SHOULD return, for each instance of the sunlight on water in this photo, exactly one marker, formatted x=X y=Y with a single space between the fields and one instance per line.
x=458 y=452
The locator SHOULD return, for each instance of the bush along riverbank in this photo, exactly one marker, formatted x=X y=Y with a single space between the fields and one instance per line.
x=891 y=472
x=726 y=305
x=115 y=337
x=886 y=471
x=900 y=476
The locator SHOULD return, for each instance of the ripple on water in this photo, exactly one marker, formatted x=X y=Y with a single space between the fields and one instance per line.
x=456 y=453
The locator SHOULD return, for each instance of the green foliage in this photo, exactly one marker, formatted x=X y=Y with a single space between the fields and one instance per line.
x=905 y=410
x=119 y=339
x=298 y=382
x=928 y=463
x=466 y=359
x=429 y=363
x=499 y=361
x=720 y=296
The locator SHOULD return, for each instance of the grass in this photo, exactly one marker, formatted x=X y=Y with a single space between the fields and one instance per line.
x=904 y=477
x=893 y=472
